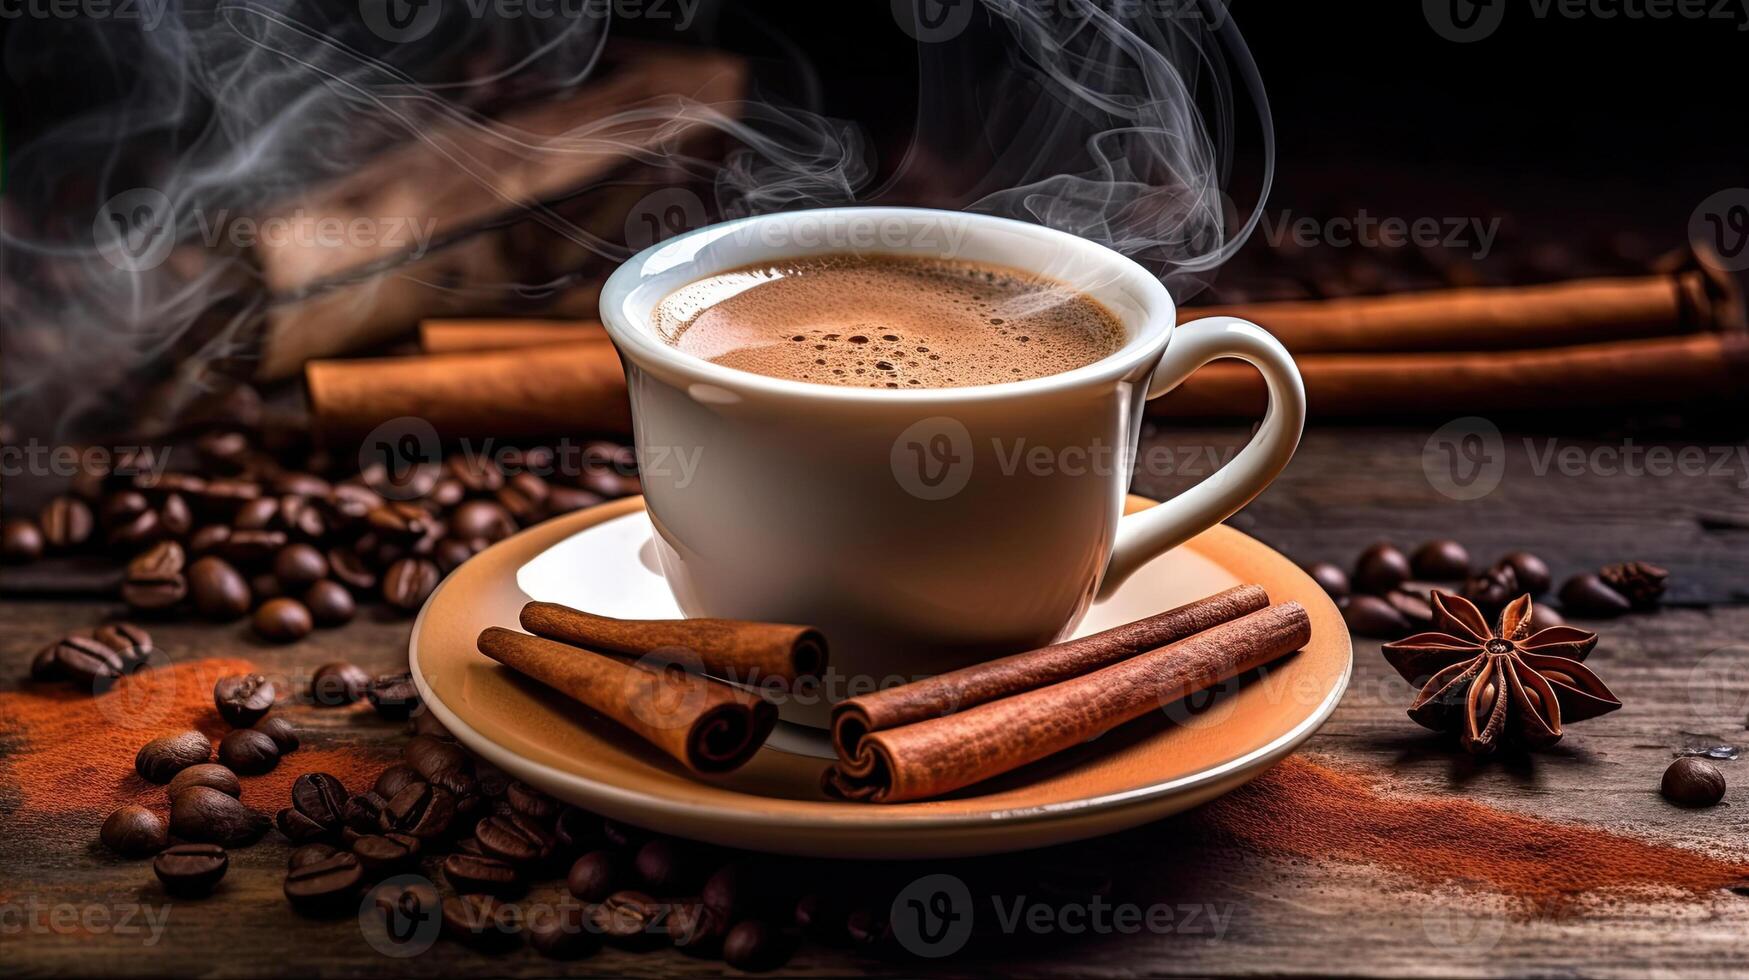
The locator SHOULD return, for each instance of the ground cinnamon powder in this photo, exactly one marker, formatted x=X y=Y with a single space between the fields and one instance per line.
x=67 y=757
x=1307 y=810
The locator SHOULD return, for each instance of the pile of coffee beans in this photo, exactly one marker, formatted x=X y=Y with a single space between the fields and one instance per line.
x=1388 y=595
x=95 y=659
x=232 y=522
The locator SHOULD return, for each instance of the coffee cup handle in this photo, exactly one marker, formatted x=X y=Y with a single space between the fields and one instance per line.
x=1145 y=534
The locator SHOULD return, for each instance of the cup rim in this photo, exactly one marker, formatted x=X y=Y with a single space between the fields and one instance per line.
x=635 y=341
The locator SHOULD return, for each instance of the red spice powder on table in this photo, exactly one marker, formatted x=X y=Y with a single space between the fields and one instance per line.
x=67 y=757
x=1307 y=810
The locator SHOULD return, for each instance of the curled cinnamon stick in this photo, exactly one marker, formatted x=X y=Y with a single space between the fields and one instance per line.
x=737 y=650
x=534 y=392
x=968 y=687
x=709 y=726
x=461 y=336
x=928 y=758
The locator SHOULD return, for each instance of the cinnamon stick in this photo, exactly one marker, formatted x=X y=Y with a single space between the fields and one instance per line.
x=968 y=687
x=460 y=336
x=737 y=650
x=928 y=758
x=709 y=726
x=534 y=392
x=1581 y=311
x=1627 y=373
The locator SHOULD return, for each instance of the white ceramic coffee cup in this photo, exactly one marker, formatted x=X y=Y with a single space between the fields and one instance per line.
x=921 y=529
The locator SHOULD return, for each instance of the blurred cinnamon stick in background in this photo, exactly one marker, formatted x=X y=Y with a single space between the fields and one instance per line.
x=456 y=336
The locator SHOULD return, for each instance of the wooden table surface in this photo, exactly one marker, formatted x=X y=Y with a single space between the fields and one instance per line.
x=1684 y=669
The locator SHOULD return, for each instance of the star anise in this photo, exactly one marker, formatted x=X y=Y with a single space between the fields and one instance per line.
x=1500 y=687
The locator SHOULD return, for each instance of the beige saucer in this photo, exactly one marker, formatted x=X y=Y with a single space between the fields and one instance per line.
x=1146 y=770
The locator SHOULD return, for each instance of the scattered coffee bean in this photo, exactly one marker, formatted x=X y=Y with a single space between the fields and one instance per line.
x=482 y=874
x=329 y=604
x=1640 y=582
x=1531 y=573
x=1588 y=596
x=299 y=566
x=155 y=579
x=1493 y=589
x=283 y=620
x=481 y=920
x=162 y=758
x=1542 y=617
x=322 y=798
x=88 y=663
x=21 y=541
x=385 y=854
x=395 y=779
x=408 y=583
x=132 y=642
x=66 y=523
x=393 y=696
x=249 y=752
x=190 y=870
x=1693 y=782
x=219 y=591
x=696 y=928
x=1380 y=568
x=208 y=774
x=134 y=831
x=243 y=699
x=423 y=810
x=338 y=683
x=426 y=723
x=514 y=838
x=1330 y=578
x=201 y=813
x=300 y=829
x=630 y=919
x=45 y=666
x=1371 y=616
x=1415 y=608
x=309 y=854
x=326 y=887
x=481 y=519
x=563 y=931
x=1442 y=560
x=753 y=946
x=597 y=875
x=527 y=800
x=364 y=812
x=351 y=570
x=284 y=736
x=666 y=866
x=430 y=756
x=726 y=890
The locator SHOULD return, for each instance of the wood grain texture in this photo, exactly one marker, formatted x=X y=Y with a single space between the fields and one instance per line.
x=1685 y=669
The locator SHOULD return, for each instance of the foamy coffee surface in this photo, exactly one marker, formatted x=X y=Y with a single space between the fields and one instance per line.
x=888 y=322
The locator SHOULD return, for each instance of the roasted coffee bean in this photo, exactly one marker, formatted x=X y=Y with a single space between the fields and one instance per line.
x=1442 y=560
x=88 y=663
x=481 y=519
x=666 y=866
x=630 y=919
x=563 y=931
x=310 y=854
x=329 y=604
x=475 y=475
x=468 y=845
x=754 y=946
x=384 y=854
x=155 y=577
x=408 y=583
x=174 y=517
x=162 y=758
x=264 y=586
x=597 y=875
x=243 y=699
x=527 y=800
x=1333 y=580
x=220 y=592
x=461 y=785
x=321 y=797
x=201 y=813
x=393 y=696
x=609 y=484
x=519 y=505
x=1587 y=595
x=208 y=774
x=426 y=723
x=481 y=920
x=1369 y=615
x=283 y=620
x=407 y=906
x=1415 y=609
x=623 y=834
x=352 y=502
x=364 y=812
x=1531 y=572
x=66 y=523
x=449 y=554
x=494 y=782
x=395 y=779
x=485 y=874
x=351 y=571
x=140 y=530
x=515 y=838
x=284 y=736
x=564 y=500
x=300 y=829
x=46 y=665
x=134 y=831
x=431 y=756
x=21 y=541
x=299 y=566
x=423 y=810
x=577 y=830
x=696 y=928
x=252 y=547
x=133 y=643
x=338 y=683
x=208 y=539
x=122 y=507
x=728 y=889
x=401 y=520
x=248 y=752
x=1493 y=589
x=257 y=515
x=1693 y=782
x=190 y=870
x=327 y=887
x=1380 y=568
x=1542 y=617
